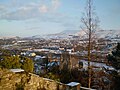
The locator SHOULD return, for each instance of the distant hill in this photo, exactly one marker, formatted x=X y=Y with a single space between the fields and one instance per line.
x=61 y=35
x=108 y=34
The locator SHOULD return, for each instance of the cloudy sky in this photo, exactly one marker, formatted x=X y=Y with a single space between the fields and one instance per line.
x=36 y=17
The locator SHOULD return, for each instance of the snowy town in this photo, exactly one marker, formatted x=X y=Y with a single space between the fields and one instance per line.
x=59 y=44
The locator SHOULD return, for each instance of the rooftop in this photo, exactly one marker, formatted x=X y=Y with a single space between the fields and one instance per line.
x=72 y=84
x=16 y=70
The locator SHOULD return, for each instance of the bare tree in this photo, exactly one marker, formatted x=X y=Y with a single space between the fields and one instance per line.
x=89 y=26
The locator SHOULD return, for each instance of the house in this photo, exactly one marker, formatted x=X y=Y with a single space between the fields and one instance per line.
x=73 y=86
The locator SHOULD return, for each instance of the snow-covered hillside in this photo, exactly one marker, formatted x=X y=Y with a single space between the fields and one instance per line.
x=108 y=34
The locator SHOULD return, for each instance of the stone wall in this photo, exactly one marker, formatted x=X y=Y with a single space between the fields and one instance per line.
x=25 y=81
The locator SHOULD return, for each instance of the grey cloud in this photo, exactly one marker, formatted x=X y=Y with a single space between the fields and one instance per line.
x=3 y=9
x=18 y=15
x=27 y=11
x=22 y=13
x=37 y=11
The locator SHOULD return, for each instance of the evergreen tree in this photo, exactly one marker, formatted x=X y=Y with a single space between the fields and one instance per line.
x=6 y=62
x=13 y=62
x=10 y=62
x=114 y=58
x=27 y=65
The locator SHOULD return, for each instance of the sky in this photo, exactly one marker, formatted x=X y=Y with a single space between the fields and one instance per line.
x=37 y=17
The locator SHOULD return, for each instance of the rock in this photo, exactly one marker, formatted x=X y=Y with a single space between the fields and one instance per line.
x=27 y=81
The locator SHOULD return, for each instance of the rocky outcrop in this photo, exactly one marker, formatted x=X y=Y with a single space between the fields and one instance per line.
x=26 y=81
